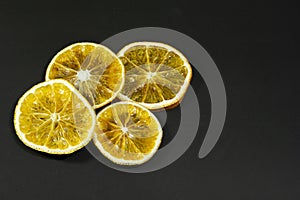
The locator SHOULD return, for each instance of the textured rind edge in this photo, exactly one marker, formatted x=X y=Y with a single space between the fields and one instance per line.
x=179 y=96
x=69 y=150
x=123 y=161
x=116 y=92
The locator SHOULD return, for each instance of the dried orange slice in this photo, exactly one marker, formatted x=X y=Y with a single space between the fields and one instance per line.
x=156 y=75
x=127 y=133
x=53 y=117
x=93 y=69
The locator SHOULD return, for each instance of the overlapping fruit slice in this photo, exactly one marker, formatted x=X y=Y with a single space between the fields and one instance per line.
x=93 y=69
x=53 y=117
x=156 y=75
x=127 y=133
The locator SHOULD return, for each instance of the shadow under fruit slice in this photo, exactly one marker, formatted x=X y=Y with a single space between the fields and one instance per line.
x=93 y=69
x=127 y=133
x=156 y=75
x=53 y=117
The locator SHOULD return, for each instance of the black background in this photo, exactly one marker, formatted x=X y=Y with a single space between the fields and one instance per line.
x=255 y=45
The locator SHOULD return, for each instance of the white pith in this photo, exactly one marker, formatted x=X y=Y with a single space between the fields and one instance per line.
x=83 y=75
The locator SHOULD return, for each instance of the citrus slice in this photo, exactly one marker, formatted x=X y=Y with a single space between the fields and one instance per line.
x=53 y=117
x=127 y=133
x=156 y=75
x=93 y=69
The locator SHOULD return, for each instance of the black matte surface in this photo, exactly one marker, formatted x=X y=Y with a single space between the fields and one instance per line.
x=254 y=44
